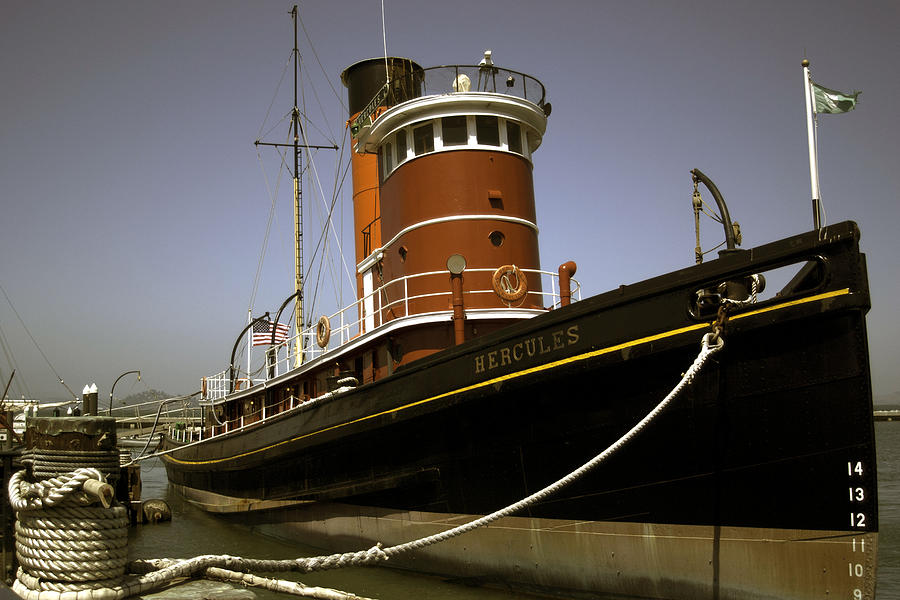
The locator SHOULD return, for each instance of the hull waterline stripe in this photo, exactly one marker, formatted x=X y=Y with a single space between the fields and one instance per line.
x=522 y=373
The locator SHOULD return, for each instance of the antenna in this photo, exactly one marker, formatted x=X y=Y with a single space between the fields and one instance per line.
x=387 y=73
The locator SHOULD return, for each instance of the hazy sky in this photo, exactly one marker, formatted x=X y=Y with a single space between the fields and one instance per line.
x=133 y=204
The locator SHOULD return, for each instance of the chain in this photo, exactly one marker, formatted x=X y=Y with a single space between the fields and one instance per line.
x=718 y=325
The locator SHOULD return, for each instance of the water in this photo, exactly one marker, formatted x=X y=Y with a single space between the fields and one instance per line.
x=887 y=442
x=193 y=532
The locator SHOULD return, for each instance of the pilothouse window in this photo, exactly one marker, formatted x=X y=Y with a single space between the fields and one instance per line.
x=514 y=137
x=423 y=139
x=388 y=159
x=486 y=130
x=401 y=146
x=454 y=131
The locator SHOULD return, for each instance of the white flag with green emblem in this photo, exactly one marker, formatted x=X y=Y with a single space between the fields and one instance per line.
x=831 y=101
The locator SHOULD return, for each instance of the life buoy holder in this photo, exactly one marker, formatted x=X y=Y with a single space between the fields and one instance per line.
x=323 y=331
x=509 y=283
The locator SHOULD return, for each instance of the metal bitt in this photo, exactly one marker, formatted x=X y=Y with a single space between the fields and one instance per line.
x=89 y=402
x=58 y=445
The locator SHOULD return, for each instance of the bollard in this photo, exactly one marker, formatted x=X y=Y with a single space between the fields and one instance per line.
x=89 y=402
x=57 y=445
x=71 y=460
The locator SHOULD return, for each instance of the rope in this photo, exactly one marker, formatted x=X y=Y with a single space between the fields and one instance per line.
x=69 y=550
x=706 y=351
x=710 y=345
x=751 y=299
x=47 y=463
x=63 y=544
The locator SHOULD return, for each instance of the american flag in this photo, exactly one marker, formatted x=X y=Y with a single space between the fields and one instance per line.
x=262 y=333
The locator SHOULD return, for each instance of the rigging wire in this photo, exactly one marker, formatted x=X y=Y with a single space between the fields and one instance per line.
x=47 y=360
x=708 y=211
x=713 y=249
x=18 y=383
x=312 y=47
x=275 y=96
x=279 y=122
x=323 y=237
x=265 y=243
x=325 y=135
x=310 y=170
x=330 y=224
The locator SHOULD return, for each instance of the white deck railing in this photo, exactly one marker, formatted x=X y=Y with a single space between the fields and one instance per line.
x=353 y=320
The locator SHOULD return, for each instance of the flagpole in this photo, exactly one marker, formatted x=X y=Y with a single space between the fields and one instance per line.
x=813 y=155
x=249 y=341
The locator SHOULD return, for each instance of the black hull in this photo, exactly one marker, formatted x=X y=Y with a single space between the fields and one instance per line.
x=774 y=441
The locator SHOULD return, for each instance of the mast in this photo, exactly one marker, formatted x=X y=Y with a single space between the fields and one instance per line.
x=298 y=215
x=298 y=144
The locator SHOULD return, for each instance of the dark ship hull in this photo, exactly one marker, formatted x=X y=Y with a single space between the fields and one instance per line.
x=757 y=482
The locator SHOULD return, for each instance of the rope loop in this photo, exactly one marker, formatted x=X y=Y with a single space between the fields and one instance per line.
x=97 y=578
x=755 y=281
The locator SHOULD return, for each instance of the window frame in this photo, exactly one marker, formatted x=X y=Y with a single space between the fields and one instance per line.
x=391 y=163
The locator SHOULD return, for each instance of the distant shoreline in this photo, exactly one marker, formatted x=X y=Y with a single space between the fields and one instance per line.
x=886 y=413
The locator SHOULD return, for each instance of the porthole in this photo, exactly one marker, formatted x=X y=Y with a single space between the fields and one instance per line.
x=497 y=238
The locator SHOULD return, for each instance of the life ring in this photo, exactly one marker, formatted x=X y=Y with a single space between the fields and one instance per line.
x=509 y=283
x=323 y=331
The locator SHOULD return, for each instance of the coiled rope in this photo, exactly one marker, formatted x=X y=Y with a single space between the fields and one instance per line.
x=69 y=550
x=46 y=463
x=63 y=544
x=32 y=586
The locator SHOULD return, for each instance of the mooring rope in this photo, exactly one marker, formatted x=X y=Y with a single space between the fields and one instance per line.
x=47 y=463
x=70 y=550
x=42 y=561
x=710 y=344
x=64 y=544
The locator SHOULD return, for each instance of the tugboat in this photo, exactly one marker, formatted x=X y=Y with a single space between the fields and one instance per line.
x=464 y=378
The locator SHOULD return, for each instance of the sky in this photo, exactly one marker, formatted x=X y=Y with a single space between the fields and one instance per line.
x=134 y=204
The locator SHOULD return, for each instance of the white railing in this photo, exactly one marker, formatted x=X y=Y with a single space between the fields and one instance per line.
x=349 y=322
x=220 y=425
x=186 y=434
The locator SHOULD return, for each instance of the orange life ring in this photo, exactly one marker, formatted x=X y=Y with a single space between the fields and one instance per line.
x=509 y=283
x=323 y=331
